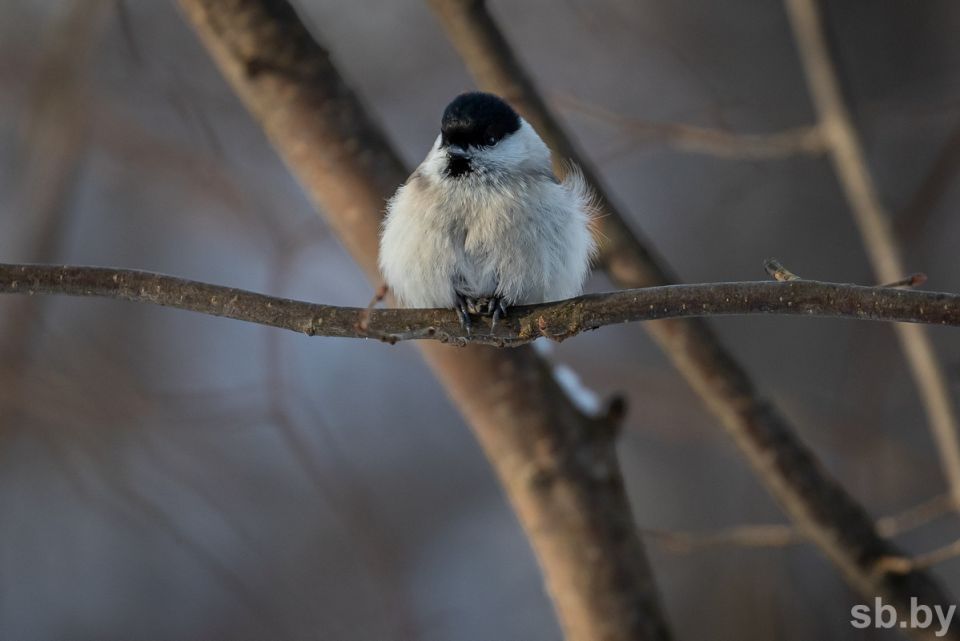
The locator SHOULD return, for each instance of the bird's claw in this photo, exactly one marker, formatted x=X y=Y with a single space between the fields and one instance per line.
x=463 y=308
x=493 y=306
x=496 y=309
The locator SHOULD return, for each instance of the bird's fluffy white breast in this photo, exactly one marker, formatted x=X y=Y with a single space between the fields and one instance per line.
x=508 y=229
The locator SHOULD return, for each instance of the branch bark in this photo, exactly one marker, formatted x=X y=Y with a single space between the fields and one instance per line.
x=875 y=226
x=556 y=320
x=812 y=499
x=557 y=466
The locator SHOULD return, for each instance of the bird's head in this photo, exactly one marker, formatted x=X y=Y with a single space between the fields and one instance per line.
x=482 y=136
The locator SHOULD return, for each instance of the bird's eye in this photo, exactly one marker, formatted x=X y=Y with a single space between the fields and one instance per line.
x=492 y=140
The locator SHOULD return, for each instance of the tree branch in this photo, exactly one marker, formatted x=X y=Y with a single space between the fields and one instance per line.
x=800 y=141
x=903 y=564
x=778 y=535
x=557 y=320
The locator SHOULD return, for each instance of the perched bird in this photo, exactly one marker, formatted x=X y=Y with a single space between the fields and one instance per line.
x=483 y=223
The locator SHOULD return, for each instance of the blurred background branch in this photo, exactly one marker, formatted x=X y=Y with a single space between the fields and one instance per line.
x=776 y=535
x=800 y=141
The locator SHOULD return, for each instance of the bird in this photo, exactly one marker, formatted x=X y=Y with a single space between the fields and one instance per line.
x=483 y=223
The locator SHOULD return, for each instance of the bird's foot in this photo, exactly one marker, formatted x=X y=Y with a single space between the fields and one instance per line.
x=493 y=306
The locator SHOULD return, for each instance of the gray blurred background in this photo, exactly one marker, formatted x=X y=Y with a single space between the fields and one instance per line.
x=165 y=475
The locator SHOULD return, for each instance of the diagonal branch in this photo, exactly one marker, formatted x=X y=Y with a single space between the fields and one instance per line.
x=875 y=225
x=557 y=320
x=812 y=499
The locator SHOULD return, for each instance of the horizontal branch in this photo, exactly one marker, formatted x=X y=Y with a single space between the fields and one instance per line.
x=558 y=320
x=905 y=564
x=798 y=141
x=779 y=535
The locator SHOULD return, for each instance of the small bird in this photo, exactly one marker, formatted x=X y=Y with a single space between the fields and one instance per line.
x=483 y=223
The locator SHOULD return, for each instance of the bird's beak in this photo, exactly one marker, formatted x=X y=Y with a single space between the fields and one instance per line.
x=458 y=162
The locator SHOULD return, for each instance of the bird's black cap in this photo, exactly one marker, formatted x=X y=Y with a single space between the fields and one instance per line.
x=477 y=119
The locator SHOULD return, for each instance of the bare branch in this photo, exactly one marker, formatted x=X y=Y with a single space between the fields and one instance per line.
x=814 y=501
x=773 y=535
x=916 y=516
x=913 y=280
x=778 y=535
x=801 y=141
x=558 y=320
x=904 y=564
x=875 y=225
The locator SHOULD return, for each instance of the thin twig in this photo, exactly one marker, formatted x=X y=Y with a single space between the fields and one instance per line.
x=777 y=535
x=905 y=564
x=875 y=225
x=363 y=325
x=913 y=280
x=524 y=324
x=916 y=516
x=778 y=272
x=802 y=141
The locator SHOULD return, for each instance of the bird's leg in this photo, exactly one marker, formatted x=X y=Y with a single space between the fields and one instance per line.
x=463 y=308
x=497 y=309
